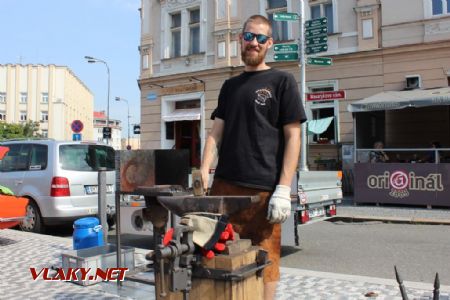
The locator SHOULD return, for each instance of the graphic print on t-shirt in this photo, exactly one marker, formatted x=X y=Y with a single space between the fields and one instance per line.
x=262 y=95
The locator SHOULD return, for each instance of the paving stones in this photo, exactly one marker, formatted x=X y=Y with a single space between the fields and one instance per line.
x=21 y=250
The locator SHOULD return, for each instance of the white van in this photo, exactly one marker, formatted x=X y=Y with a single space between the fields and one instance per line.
x=59 y=178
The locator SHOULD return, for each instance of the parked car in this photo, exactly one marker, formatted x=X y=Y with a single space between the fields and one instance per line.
x=12 y=208
x=60 y=179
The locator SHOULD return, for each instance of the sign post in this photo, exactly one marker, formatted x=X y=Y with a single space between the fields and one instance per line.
x=76 y=126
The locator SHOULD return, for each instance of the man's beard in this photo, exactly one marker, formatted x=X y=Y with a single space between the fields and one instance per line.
x=250 y=59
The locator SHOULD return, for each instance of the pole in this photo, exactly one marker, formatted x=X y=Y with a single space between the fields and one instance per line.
x=107 y=103
x=102 y=194
x=128 y=106
x=301 y=44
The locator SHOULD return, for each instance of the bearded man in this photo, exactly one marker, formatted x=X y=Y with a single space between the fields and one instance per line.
x=256 y=134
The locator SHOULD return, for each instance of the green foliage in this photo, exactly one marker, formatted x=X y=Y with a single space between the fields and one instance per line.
x=15 y=131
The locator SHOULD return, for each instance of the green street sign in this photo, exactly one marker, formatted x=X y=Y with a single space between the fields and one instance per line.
x=285 y=56
x=285 y=17
x=282 y=48
x=319 y=61
x=316 y=49
x=316 y=22
x=316 y=40
x=318 y=31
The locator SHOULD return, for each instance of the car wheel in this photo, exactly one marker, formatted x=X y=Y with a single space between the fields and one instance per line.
x=33 y=219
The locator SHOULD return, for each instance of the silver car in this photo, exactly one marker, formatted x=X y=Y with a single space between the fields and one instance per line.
x=59 y=178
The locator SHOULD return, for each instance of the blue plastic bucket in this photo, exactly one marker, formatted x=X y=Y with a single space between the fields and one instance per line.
x=87 y=233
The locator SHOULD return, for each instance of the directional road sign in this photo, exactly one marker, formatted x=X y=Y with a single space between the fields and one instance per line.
x=320 y=61
x=285 y=56
x=318 y=31
x=283 y=48
x=316 y=40
x=285 y=16
x=316 y=49
x=322 y=22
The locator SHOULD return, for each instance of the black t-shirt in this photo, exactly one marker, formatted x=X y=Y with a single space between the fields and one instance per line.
x=255 y=106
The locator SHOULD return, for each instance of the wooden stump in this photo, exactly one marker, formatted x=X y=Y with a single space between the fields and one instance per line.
x=250 y=288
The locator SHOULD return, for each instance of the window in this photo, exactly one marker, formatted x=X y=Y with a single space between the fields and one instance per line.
x=23 y=116
x=16 y=159
x=221 y=6
x=23 y=97
x=44 y=133
x=2 y=97
x=233 y=49
x=322 y=110
x=221 y=49
x=44 y=116
x=2 y=115
x=323 y=10
x=176 y=34
x=440 y=7
x=38 y=160
x=279 y=28
x=194 y=31
x=44 y=97
x=86 y=157
x=225 y=6
x=145 y=61
x=367 y=29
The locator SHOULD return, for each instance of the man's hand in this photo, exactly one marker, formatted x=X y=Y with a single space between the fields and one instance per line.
x=279 y=205
x=205 y=178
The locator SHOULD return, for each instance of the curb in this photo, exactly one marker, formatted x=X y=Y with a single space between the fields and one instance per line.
x=364 y=279
x=397 y=220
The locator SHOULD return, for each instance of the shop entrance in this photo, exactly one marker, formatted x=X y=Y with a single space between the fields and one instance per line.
x=187 y=136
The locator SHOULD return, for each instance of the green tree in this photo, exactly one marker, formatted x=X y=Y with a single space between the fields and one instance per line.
x=15 y=131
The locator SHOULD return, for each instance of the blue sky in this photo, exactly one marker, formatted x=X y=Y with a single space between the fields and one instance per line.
x=62 y=32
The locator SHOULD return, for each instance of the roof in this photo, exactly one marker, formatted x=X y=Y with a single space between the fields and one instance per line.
x=391 y=100
x=99 y=115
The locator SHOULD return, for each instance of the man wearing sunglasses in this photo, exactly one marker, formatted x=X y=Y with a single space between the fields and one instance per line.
x=256 y=135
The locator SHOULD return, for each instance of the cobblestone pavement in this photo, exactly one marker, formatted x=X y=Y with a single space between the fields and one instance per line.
x=20 y=250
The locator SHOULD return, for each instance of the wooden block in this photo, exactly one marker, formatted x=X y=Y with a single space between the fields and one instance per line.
x=209 y=262
x=249 y=257
x=238 y=246
x=228 y=262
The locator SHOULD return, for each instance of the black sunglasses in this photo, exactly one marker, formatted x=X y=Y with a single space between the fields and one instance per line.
x=260 y=38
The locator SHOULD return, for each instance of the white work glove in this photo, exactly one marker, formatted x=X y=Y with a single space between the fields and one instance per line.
x=279 y=205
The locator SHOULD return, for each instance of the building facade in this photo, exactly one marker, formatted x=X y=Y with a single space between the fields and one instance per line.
x=50 y=94
x=190 y=47
x=116 y=130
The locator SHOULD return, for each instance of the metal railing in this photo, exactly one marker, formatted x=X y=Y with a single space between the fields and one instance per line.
x=406 y=155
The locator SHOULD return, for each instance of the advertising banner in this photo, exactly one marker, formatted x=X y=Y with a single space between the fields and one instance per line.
x=400 y=183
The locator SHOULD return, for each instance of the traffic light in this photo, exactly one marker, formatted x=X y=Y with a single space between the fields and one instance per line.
x=137 y=129
x=106 y=132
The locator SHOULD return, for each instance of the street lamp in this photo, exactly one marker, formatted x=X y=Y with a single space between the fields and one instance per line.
x=92 y=60
x=128 y=116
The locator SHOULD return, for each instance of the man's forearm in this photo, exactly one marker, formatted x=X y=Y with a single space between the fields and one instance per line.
x=291 y=155
x=209 y=152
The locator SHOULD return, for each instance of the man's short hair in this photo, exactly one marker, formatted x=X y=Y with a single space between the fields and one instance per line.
x=259 y=20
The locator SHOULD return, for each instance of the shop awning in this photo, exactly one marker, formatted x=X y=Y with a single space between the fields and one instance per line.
x=319 y=126
x=402 y=99
x=182 y=115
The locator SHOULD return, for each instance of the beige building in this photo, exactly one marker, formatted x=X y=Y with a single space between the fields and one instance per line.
x=190 y=47
x=52 y=95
